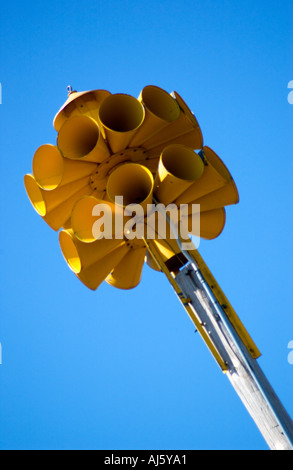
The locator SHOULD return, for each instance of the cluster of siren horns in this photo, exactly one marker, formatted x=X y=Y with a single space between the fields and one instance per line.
x=144 y=149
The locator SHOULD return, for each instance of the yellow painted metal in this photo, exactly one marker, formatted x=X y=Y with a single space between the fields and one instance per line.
x=160 y=261
x=94 y=275
x=86 y=102
x=160 y=110
x=152 y=164
x=222 y=197
x=55 y=206
x=99 y=178
x=114 y=145
x=120 y=116
x=215 y=176
x=91 y=262
x=92 y=164
x=80 y=138
x=160 y=256
x=185 y=108
x=179 y=168
x=52 y=170
x=167 y=248
x=134 y=182
x=35 y=195
x=190 y=139
x=184 y=130
x=211 y=225
x=151 y=262
x=225 y=304
x=84 y=218
x=166 y=256
x=127 y=274
x=81 y=255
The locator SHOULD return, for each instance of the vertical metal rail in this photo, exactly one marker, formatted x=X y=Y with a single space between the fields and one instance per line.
x=221 y=334
x=243 y=371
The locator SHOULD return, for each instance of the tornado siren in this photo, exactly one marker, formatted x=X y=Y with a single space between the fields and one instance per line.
x=147 y=151
x=128 y=182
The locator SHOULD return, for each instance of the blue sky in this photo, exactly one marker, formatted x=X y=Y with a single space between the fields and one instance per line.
x=125 y=370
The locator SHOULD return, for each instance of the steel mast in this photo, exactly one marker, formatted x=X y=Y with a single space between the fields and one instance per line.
x=228 y=341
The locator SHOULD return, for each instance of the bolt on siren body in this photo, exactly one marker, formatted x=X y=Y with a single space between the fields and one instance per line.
x=114 y=154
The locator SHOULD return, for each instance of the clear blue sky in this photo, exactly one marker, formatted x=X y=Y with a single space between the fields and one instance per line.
x=125 y=370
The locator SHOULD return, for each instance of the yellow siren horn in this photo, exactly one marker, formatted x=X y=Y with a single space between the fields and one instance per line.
x=225 y=196
x=80 y=139
x=151 y=262
x=128 y=182
x=216 y=187
x=92 y=263
x=84 y=102
x=127 y=274
x=52 y=170
x=93 y=218
x=212 y=223
x=184 y=130
x=160 y=110
x=120 y=116
x=179 y=168
x=55 y=206
x=133 y=182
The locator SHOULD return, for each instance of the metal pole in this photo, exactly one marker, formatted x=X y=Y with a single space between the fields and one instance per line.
x=243 y=371
x=228 y=344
